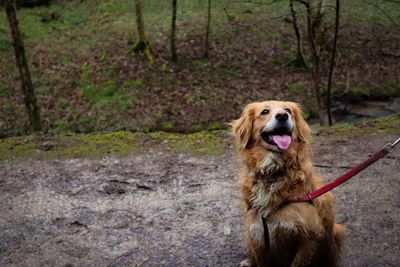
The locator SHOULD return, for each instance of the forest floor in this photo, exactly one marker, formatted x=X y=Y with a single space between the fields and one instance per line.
x=88 y=80
x=170 y=204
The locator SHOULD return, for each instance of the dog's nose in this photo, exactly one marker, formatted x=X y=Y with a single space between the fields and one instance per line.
x=282 y=116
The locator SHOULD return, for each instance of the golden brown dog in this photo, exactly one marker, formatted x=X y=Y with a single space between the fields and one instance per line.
x=273 y=141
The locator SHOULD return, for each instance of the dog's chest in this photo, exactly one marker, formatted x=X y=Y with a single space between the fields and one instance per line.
x=262 y=196
x=271 y=231
x=263 y=201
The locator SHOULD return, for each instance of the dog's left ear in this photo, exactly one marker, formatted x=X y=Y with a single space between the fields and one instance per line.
x=242 y=128
x=303 y=130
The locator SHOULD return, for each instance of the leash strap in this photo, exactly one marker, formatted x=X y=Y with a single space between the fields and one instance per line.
x=328 y=187
x=266 y=232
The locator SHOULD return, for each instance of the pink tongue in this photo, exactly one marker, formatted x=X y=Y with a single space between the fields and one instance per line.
x=283 y=141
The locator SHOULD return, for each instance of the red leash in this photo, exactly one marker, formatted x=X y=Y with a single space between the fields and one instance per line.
x=328 y=187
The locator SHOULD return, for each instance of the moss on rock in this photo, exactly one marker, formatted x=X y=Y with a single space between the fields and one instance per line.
x=123 y=143
x=385 y=125
x=117 y=143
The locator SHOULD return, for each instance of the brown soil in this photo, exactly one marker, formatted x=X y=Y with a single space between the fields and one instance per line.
x=173 y=209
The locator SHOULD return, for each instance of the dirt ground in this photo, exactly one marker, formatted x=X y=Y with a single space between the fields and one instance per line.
x=173 y=209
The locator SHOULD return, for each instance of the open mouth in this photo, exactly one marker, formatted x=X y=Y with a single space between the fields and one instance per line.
x=279 y=137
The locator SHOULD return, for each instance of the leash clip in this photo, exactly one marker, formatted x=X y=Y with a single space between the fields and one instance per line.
x=310 y=199
x=390 y=146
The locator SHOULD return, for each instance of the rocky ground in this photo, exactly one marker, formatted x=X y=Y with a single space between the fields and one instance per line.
x=165 y=208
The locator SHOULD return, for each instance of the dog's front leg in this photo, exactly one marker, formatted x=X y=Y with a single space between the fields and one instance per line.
x=305 y=253
x=258 y=238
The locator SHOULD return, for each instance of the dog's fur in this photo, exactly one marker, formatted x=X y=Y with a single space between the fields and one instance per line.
x=299 y=234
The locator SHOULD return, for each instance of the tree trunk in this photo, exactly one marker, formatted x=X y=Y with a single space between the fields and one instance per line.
x=139 y=21
x=26 y=81
x=300 y=61
x=142 y=45
x=208 y=26
x=174 y=56
x=328 y=96
x=314 y=28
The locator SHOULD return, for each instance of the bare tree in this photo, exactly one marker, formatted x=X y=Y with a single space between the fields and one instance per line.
x=143 y=44
x=26 y=82
x=174 y=55
x=332 y=65
x=315 y=30
x=314 y=10
x=300 y=61
x=208 y=29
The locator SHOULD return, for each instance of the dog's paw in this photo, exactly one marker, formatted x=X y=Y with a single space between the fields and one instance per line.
x=247 y=263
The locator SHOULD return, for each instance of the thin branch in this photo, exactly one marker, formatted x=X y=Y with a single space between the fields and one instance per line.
x=254 y=3
x=272 y=18
x=392 y=1
x=383 y=11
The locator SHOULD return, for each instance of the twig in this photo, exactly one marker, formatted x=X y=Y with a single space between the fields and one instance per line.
x=141 y=262
x=331 y=166
x=158 y=214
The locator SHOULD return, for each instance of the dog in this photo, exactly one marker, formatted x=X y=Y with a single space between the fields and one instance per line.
x=273 y=143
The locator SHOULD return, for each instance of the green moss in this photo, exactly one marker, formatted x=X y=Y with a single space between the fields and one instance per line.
x=109 y=90
x=196 y=128
x=88 y=90
x=17 y=148
x=123 y=143
x=139 y=84
x=359 y=91
x=64 y=102
x=215 y=126
x=190 y=98
x=168 y=126
x=204 y=96
x=62 y=126
x=164 y=68
x=297 y=87
x=5 y=45
x=117 y=143
x=9 y=106
x=386 y=125
x=206 y=143
x=3 y=90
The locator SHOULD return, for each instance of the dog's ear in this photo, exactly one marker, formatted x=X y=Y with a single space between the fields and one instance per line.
x=303 y=130
x=242 y=128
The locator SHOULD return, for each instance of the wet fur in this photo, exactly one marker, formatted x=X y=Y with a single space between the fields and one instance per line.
x=300 y=234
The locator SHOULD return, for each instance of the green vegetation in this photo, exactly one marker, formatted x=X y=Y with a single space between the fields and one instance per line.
x=87 y=80
x=117 y=143
x=123 y=143
x=386 y=125
x=3 y=90
x=216 y=125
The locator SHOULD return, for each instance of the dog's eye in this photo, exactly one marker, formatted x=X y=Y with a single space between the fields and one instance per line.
x=265 y=112
x=288 y=110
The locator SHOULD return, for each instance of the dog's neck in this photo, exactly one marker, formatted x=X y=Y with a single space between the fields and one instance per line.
x=270 y=166
x=276 y=166
x=274 y=181
x=278 y=177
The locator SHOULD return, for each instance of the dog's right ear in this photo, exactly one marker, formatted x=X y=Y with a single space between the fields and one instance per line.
x=242 y=128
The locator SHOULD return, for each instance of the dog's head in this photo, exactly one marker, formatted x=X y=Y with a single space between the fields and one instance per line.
x=273 y=126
